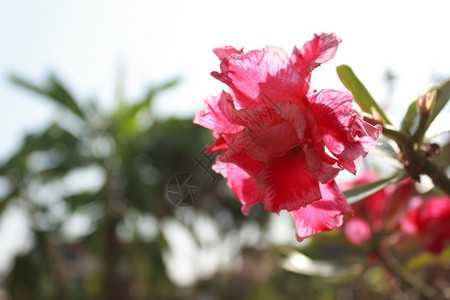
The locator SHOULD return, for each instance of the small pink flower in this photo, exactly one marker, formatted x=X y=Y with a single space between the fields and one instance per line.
x=357 y=230
x=382 y=210
x=430 y=220
x=274 y=132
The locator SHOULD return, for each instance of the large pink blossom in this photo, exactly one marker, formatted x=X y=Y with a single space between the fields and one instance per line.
x=430 y=220
x=283 y=144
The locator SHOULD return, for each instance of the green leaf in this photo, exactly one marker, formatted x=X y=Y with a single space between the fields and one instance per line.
x=408 y=119
x=442 y=97
x=126 y=115
x=53 y=137
x=78 y=200
x=385 y=147
x=53 y=90
x=425 y=259
x=152 y=92
x=360 y=94
x=357 y=194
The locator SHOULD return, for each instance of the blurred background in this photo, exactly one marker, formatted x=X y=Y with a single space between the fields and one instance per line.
x=97 y=100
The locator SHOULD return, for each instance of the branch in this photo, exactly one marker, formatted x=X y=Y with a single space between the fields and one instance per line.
x=406 y=277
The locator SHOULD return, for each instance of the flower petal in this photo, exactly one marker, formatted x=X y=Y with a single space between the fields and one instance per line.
x=302 y=120
x=323 y=214
x=224 y=52
x=213 y=118
x=430 y=220
x=219 y=145
x=346 y=136
x=266 y=133
x=314 y=53
x=243 y=186
x=286 y=183
x=260 y=75
x=320 y=164
x=242 y=160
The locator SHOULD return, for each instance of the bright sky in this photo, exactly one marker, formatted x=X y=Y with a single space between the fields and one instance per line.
x=84 y=42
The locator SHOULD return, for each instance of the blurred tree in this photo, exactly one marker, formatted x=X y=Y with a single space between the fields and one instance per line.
x=94 y=188
x=126 y=158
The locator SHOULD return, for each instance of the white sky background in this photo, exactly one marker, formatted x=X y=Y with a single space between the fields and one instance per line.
x=84 y=43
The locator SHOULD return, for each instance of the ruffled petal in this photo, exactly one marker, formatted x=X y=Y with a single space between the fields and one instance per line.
x=286 y=183
x=240 y=183
x=324 y=167
x=266 y=133
x=242 y=160
x=303 y=122
x=364 y=133
x=224 y=52
x=271 y=141
x=265 y=113
x=314 y=53
x=345 y=135
x=213 y=118
x=220 y=144
x=323 y=214
x=261 y=75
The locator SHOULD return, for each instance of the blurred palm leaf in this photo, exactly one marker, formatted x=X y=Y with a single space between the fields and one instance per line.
x=53 y=90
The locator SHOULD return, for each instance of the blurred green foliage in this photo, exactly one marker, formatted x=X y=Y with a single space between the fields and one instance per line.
x=109 y=171
x=134 y=155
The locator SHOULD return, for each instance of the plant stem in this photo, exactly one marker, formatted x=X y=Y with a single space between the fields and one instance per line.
x=109 y=255
x=398 y=136
x=415 y=161
x=406 y=277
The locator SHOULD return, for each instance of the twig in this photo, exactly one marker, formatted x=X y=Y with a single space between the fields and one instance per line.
x=406 y=277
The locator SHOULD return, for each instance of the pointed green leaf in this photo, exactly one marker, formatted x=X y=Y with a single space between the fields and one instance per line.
x=408 y=119
x=357 y=194
x=152 y=92
x=126 y=114
x=360 y=94
x=53 y=90
x=442 y=97
x=385 y=147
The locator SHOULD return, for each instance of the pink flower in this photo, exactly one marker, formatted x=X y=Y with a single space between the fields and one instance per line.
x=274 y=132
x=380 y=211
x=429 y=220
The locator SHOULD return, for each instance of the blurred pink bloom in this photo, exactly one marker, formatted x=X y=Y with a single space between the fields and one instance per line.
x=382 y=210
x=430 y=220
x=273 y=132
